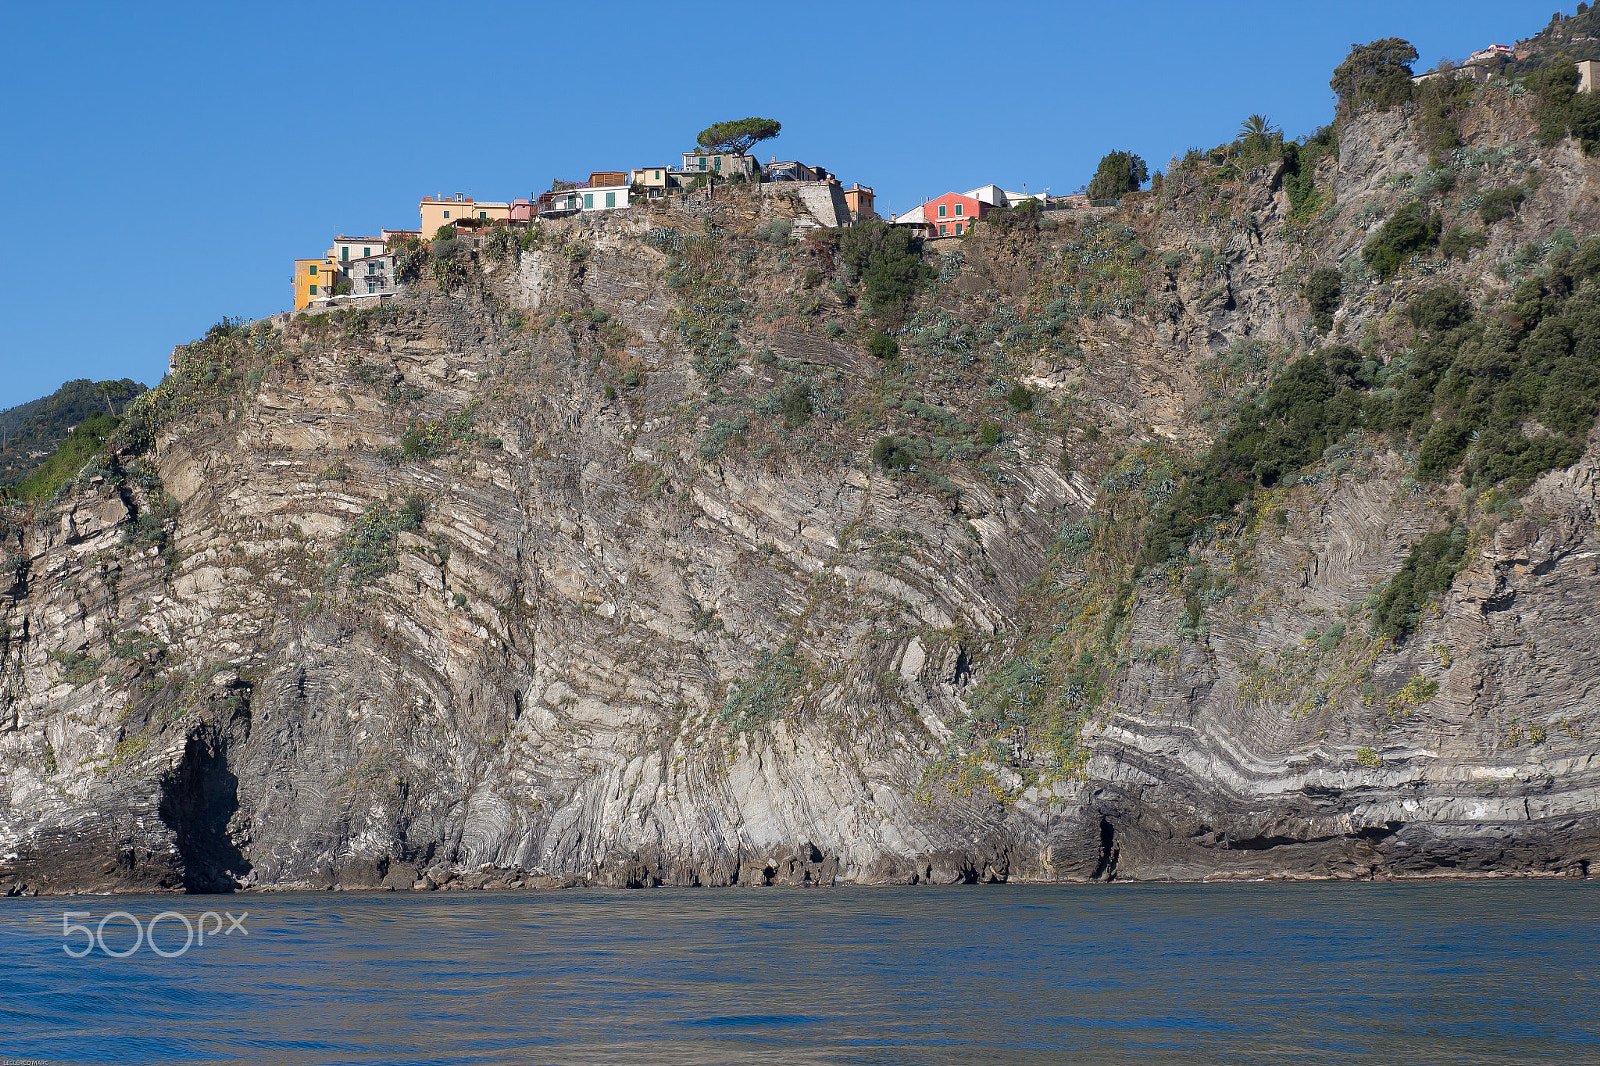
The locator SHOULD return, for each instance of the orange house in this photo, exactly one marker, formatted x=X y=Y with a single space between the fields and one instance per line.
x=952 y=214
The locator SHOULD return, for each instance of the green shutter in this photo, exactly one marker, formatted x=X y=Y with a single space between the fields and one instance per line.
x=588 y=199
x=611 y=199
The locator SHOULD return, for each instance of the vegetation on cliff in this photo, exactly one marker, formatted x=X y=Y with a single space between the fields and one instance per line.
x=30 y=433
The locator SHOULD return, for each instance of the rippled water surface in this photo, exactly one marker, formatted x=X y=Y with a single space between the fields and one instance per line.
x=1499 y=972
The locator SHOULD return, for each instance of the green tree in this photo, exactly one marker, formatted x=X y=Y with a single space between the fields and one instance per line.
x=1378 y=73
x=1119 y=172
x=888 y=259
x=739 y=136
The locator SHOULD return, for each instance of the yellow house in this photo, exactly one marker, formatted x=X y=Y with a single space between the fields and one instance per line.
x=314 y=278
x=439 y=211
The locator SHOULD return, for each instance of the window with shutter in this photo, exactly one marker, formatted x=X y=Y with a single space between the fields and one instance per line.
x=941 y=210
x=611 y=199
x=588 y=199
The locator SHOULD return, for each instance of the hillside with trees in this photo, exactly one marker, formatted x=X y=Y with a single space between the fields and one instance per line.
x=31 y=432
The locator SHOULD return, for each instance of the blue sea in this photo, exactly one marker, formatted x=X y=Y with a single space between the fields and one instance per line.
x=1482 y=972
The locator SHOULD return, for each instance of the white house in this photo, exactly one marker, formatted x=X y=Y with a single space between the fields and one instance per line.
x=602 y=198
x=995 y=196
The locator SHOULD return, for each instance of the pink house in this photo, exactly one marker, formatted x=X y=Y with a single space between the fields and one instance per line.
x=952 y=214
x=523 y=210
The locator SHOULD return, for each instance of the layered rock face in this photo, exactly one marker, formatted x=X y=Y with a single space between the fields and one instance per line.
x=487 y=589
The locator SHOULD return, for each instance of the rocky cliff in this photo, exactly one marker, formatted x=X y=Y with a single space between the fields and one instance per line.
x=612 y=556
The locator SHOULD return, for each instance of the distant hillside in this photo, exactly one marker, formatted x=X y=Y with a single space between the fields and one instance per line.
x=31 y=432
x=1568 y=38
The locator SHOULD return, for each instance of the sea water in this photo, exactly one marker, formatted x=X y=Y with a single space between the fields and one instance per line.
x=1436 y=972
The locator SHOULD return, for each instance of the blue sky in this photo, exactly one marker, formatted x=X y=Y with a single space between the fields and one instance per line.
x=169 y=161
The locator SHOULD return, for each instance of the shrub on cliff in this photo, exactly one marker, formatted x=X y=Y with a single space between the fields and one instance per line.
x=1439 y=309
x=1412 y=229
x=1498 y=205
x=882 y=345
x=1459 y=242
x=891 y=453
x=888 y=260
x=1429 y=570
x=1300 y=171
x=1323 y=291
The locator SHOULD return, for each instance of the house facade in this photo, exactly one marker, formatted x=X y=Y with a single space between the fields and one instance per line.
x=372 y=274
x=794 y=170
x=437 y=211
x=654 y=180
x=859 y=199
x=720 y=164
x=952 y=214
x=603 y=197
x=314 y=278
x=347 y=248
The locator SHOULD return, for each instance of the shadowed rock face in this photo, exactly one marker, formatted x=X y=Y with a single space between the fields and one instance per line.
x=603 y=653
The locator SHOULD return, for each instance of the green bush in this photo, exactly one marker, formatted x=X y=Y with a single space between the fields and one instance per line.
x=370 y=548
x=796 y=406
x=1439 y=309
x=989 y=433
x=1019 y=398
x=1288 y=428
x=891 y=453
x=1500 y=204
x=1323 y=291
x=1459 y=242
x=1300 y=171
x=1331 y=637
x=1429 y=570
x=888 y=260
x=882 y=346
x=1412 y=229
